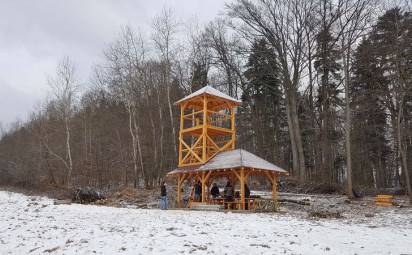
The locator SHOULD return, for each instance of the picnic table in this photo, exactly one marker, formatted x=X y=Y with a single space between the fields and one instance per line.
x=235 y=203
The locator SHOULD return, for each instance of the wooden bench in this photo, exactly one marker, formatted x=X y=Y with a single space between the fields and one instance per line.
x=384 y=200
x=205 y=207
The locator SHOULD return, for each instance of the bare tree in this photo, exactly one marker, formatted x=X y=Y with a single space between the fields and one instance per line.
x=64 y=94
x=124 y=79
x=354 y=20
x=282 y=23
x=225 y=54
x=165 y=27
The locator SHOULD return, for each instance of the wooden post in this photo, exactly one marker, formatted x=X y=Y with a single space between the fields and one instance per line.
x=242 y=188
x=274 y=189
x=204 y=133
x=232 y=116
x=178 y=191
x=182 y=113
x=203 y=187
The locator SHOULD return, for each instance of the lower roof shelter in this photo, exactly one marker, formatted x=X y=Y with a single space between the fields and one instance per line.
x=237 y=166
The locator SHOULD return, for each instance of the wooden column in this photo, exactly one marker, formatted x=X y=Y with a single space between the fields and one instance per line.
x=232 y=118
x=179 y=188
x=204 y=133
x=272 y=178
x=274 y=189
x=242 y=187
x=182 y=113
x=203 y=187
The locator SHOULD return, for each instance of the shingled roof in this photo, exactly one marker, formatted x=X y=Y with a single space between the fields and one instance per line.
x=211 y=91
x=233 y=159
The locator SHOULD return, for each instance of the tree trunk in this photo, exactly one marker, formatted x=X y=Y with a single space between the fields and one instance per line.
x=402 y=150
x=139 y=147
x=294 y=133
x=134 y=152
x=172 y=123
x=69 y=153
x=348 y=125
x=161 y=130
x=295 y=155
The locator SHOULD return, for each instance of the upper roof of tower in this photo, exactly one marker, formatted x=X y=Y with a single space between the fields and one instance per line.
x=210 y=91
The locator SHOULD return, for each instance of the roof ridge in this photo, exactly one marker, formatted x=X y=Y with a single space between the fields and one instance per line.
x=211 y=91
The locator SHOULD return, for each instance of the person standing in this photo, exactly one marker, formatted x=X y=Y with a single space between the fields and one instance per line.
x=228 y=192
x=163 y=196
x=247 y=191
x=247 y=196
x=215 y=191
x=198 y=192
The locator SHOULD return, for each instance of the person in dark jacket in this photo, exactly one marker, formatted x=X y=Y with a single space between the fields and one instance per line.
x=215 y=191
x=247 y=191
x=163 y=196
x=198 y=192
x=247 y=195
x=228 y=191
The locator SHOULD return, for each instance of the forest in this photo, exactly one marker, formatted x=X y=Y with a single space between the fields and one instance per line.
x=326 y=90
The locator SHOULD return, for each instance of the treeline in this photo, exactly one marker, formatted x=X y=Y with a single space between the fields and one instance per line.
x=326 y=87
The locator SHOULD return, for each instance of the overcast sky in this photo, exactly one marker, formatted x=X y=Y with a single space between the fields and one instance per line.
x=35 y=35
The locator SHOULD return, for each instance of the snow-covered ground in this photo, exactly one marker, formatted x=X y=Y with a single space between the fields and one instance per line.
x=33 y=225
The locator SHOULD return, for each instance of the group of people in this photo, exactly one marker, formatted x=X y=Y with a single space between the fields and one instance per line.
x=228 y=193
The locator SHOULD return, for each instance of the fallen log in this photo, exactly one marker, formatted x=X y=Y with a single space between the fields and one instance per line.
x=62 y=202
x=300 y=202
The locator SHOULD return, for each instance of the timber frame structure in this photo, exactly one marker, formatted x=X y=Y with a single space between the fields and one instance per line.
x=207 y=126
x=207 y=139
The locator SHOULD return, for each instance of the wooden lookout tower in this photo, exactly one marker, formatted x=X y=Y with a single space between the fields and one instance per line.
x=207 y=125
x=207 y=140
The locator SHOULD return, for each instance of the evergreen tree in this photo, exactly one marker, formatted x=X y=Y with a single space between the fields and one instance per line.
x=369 y=121
x=328 y=70
x=263 y=103
x=199 y=78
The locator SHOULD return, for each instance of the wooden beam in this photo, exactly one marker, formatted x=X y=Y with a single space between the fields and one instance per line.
x=232 y=111
x=270 y=177
x=208 y=175
x=191 y=152
x=242 y=188
x=183 y=178
x=236 y=174
x=191 y=114
x=213 y=142
x=248 y=173
x=204 y=151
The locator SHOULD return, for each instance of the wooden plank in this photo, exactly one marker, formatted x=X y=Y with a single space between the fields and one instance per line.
x=191 y=114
